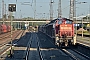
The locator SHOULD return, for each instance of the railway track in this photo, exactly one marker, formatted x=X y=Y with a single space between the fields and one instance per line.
x=49 y=51
x=81 y=54
x=40 y=53
x=7 y=39
x=4 y=37
x=6 y=47
x=73 y=53
x=29 y=47
x=83 y=43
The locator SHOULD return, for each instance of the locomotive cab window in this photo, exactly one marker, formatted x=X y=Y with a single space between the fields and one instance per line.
x=59 y=22
x=68 y=22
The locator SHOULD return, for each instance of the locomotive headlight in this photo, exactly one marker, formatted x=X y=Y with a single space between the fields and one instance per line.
x=9 y=6
x=13 y=6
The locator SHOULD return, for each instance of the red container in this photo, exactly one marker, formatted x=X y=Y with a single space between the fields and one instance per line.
x=4 y=28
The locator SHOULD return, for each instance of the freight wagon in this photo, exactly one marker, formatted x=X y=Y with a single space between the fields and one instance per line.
x=4 y=28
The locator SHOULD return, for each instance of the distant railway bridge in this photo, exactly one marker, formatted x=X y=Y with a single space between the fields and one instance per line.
x=40 y=20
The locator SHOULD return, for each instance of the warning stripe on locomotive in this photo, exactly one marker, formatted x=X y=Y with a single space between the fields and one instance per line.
x=66 y=28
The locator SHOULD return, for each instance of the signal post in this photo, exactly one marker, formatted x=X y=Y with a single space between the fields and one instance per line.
x=11 y=9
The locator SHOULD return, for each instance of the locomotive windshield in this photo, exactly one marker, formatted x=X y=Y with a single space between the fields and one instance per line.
x=68 y=22
x=60 y=22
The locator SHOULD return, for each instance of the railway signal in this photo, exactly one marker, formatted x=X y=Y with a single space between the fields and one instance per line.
x=11 y=9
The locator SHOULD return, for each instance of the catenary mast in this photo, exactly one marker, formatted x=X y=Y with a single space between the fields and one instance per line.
x=72 y=9
x=51 y=10
x=59 y=9
x=3 y=10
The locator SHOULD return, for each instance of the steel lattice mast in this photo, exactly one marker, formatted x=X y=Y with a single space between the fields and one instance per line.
x=34 y=9
x=51 y=10
x=3 y=10
x=72 y=9
x=59 y=9
x=5 y=15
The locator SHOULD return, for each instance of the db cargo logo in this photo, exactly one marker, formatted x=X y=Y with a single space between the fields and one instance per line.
x=66 y=28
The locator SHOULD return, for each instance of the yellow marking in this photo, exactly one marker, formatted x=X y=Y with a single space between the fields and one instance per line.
x=48 y=49
x=33 y=48
x=43 y=49
x=65 y=27
x=19 y=48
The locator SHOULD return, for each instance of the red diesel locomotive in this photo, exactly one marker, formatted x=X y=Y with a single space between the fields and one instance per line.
x=62 y=30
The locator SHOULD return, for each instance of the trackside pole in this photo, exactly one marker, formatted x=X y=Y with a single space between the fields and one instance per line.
x=11 y=51
x=11 y=9
x=74 y=39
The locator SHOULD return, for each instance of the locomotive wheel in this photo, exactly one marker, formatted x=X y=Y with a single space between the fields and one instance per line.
x=62 y=44
x=74 y=39
x=69 y=43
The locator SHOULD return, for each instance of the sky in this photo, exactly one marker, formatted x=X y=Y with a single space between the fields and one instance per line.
x=43 y=8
